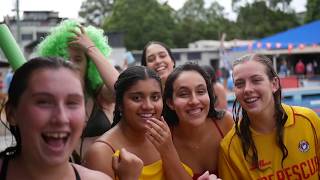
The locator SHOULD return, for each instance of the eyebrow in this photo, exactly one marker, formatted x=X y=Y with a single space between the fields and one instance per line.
x=51 y=95
x=157 y=53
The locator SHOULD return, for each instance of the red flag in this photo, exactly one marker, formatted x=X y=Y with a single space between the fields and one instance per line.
x=290 y=47
x=268 y=45
x=301 y=46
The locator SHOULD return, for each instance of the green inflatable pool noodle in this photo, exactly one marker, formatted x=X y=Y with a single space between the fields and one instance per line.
x=10 y=48
x=56 y=45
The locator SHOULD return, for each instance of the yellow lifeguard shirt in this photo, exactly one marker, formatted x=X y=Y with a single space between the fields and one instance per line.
x=301 y=138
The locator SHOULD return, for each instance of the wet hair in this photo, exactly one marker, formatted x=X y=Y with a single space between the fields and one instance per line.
x=18 y=86
x=126 y=80
x=211 y=72
x=242 y=126
x=169 y=114
x=144 y=52
x=56 y=45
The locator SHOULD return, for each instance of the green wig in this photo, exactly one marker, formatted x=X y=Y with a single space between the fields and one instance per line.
x=56 y=45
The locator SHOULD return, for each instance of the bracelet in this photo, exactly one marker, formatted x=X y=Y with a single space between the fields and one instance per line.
x=91 y=46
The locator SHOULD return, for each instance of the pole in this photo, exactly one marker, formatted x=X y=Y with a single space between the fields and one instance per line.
x=18 y=22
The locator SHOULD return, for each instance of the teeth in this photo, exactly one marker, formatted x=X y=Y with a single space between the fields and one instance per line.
x=56 y=135
x=194 y=111
x=146 y=115
x=160 y=68
x=250 y=100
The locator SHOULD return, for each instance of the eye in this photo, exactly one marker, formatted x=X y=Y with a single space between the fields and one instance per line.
x=73 y=103
x=151 y=59
x=239 y=84
x=44 y=102
x=202 y=91
x=183 y=94
x=256 y=80
x=155 y=97
x=136 y=98
x=162 y=55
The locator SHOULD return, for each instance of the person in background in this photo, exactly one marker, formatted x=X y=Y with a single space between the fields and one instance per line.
x=88 y=48
x=7 y=80
x=218 y=89
x=300 y=68
x=158 y=56
x=138 y=127
x=45 y=110
x=283 y=68
x=197 y=127
x=270 y=140
x=309 y=70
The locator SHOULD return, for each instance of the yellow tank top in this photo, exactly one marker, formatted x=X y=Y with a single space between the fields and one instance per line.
x=154 y=171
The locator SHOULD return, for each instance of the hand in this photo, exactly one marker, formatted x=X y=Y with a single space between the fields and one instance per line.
x=208 y=176
x=81 y=39
x=159 y=134
x=127 y=165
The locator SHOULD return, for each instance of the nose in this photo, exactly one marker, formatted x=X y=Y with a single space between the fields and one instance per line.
x=147 y=104
x=158 y=59
x=193 y=99
x=60 y=114
x=248 y=87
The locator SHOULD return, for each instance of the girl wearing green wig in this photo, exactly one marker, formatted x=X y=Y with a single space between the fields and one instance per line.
x=88 y=48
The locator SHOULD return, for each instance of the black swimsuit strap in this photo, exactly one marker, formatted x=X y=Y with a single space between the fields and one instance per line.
x=4 y=168
x=76 y=173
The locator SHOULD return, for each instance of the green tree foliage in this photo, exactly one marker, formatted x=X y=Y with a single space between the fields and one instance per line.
x=256 y=20
x=196 y=22
x=313 y=10
x=141 y=21
x=94 y=11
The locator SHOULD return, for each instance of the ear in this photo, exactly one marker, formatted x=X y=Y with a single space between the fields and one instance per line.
x=10 y=115
x=275 y=84
x=169 y=102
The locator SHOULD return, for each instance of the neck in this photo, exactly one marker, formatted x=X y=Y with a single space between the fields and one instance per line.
x=264 y=122
x=192 y=133
x=133 y=135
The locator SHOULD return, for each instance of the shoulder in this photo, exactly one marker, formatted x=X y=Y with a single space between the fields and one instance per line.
x=86 y=173
x=226 y=122
x=99 y=155
x=102 y=147
x=219 y=87
x=299 y=111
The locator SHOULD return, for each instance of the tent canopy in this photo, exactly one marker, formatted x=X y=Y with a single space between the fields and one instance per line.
x=305 y=35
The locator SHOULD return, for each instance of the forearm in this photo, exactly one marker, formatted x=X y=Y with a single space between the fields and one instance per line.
x=107 y=71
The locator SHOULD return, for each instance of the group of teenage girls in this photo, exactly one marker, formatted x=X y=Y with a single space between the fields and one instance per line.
x=165 y=123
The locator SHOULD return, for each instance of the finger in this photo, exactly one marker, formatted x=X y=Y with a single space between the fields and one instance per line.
x=157 y=125
x=115 y=163
x=212 y=176
x=164 y=121
x=204 y=176
x=155 y=136
x=81 y=29
x=153 y=140
x=73 y=44
x=161 y=122
x=123 y=153
x=72 y=39
x=77 y=33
